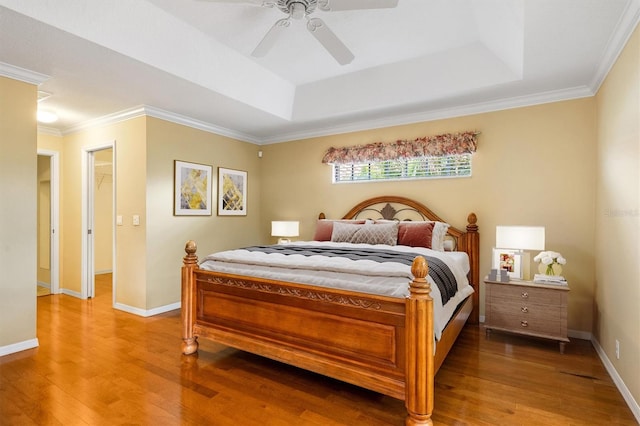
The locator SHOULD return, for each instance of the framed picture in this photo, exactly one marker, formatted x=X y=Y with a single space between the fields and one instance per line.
x=232 y=192
x=192 y=194
x=508 y=260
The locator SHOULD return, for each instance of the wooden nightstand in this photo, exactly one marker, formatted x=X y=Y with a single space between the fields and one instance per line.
x=527 y=308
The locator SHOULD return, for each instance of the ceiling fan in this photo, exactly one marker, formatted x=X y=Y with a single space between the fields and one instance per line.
x=298 y=9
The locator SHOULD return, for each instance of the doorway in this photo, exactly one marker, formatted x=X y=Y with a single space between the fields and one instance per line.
x=48 y=230
x=98 y=223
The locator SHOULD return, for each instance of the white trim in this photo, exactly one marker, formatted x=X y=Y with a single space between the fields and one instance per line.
x=104 y=271
x=43 y=284
x=333 y=129
x=200 y=125
x=149 y=111
x=582 y=335
x=147 y=312
x=71 y=293
x=440 y=114
x=624 y=390
x=22 y=74
x=623 y=32
x=49 y=131
x=19 y=347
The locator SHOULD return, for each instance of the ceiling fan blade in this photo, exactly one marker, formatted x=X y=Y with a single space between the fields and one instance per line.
x=330 y=41
x=338 y=5
x=256 y=2
x=270 y=38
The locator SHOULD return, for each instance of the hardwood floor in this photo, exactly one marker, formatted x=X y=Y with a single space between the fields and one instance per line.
x=99 y=366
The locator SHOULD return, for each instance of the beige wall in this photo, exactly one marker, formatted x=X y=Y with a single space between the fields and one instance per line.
x=129 y=138
x=617 y=296
x=534 y=166
x=166 y=233
x=18 y=221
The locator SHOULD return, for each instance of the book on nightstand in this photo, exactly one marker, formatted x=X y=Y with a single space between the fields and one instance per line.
x=549 y=279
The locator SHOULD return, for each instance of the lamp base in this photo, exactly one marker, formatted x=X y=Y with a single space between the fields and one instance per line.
x=284 y=240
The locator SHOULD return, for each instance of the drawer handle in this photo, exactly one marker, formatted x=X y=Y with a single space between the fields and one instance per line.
x=524 y=323
x=525 y=295
x=524 y=309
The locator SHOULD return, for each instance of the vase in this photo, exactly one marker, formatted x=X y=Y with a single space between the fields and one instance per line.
x=551 y=269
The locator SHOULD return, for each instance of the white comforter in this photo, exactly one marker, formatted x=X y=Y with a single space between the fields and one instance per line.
x=366 y=276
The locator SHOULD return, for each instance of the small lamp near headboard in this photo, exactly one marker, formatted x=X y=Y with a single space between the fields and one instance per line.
x=285 y=229
x=520 y=239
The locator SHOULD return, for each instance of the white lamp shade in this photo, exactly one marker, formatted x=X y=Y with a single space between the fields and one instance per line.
x=284 y=228
x=520 y=237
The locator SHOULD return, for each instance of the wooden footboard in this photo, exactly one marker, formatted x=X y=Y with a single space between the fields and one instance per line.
x=381 y=343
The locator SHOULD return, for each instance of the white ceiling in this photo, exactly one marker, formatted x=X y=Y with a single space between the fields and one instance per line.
x=190 y=61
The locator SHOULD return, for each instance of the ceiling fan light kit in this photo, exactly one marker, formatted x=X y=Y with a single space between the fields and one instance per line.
x=298 y=9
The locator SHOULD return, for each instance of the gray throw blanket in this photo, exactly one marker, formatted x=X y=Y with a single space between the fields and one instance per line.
x=438 y=270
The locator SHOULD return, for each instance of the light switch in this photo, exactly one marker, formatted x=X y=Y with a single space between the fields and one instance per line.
x=119 y=220
x=136 y=220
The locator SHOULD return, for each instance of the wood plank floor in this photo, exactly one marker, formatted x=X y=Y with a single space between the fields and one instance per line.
x=99 y=366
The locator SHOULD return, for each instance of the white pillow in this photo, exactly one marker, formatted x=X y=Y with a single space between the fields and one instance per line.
x=439 y=232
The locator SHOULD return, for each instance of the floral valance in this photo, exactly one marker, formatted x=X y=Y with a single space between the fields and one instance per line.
x=428 y=146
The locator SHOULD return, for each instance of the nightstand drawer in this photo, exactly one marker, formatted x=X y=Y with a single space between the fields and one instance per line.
x=526 y=310
x=527 y=324
x=529 y=294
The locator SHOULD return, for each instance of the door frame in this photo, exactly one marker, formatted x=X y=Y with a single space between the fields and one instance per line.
x=88 y=238
x=54 y=241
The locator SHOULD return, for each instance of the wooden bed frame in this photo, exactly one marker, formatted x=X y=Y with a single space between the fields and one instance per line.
x=381 y=343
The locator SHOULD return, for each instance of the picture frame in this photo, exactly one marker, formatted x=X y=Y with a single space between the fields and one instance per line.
x=192 y=189
x=508 y=260
x=232 y=192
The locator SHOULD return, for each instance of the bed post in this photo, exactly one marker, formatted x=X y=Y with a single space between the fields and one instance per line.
x=472 y=247
x=187 y=313
x=419 y=368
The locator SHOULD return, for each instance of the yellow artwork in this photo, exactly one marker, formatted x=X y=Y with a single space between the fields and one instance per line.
x=232 y=192
x=192 y=189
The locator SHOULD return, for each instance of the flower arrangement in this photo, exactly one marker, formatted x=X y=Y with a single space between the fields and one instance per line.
x=550 y=258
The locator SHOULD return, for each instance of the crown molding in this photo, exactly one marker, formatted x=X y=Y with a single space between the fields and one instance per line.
x=200 y=125
x=116 y=117
x=623 y=32
x=399 y=120
x=22 y=74
x=49 y=131
x=149 y=111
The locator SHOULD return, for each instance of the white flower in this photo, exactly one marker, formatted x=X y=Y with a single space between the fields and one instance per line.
x=550 y=257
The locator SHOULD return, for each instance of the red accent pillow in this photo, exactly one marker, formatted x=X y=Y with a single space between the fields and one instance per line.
x=415 y=234
x=324 y=228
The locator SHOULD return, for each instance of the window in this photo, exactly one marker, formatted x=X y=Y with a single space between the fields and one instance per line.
x=455 y=165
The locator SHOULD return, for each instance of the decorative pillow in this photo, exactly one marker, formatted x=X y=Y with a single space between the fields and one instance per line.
x=439 y=232
x=365 y=234
x=437 y=235
x=415 y=234
x=324 y=228
x=449 y=245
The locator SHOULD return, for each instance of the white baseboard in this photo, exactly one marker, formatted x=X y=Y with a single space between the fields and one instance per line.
x=578 y=334
x=104 y=271
x=19 y=347
x=626 y=394
x=147 y=312
x=43 y=284
x=71 y=293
